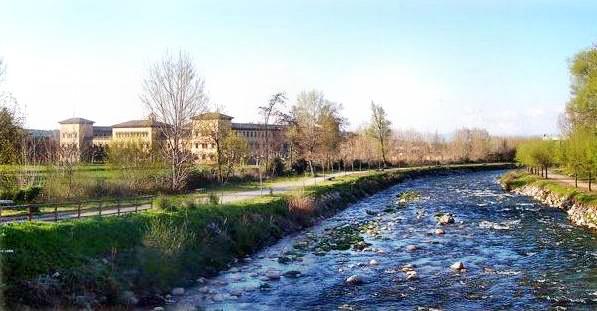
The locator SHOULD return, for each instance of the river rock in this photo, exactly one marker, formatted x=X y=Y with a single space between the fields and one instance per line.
x=410 y=275
x=178 y=291
x=445 y=219
x=373 y=262
x=83 y=301
x=354 y=280
x=440 y=231
x=127 y=297
x=204 y=290
x=272 y=275
x=411 y=248
x=408 y=267
x=457 y=266
x=292 y=274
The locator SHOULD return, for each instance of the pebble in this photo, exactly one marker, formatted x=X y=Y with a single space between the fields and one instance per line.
x=373 y=262
x=439 y=231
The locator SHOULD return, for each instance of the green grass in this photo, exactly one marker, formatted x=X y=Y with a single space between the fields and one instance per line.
x=519 y=179
x=213 y=236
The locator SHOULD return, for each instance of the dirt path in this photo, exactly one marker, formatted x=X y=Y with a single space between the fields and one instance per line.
x=569 y=181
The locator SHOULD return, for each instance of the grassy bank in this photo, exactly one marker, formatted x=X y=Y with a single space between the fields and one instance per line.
x=95 y=261
x=518 y=179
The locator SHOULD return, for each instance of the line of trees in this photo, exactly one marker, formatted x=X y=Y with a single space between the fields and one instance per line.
x=576 y=150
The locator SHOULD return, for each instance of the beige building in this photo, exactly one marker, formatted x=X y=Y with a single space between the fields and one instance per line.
x=208 y=126
x=90 y=141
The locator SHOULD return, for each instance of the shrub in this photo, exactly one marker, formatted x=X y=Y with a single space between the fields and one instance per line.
x=189 y=204
x=164 y=204
x=26 y=195
x=213 y=198
x=165 y=241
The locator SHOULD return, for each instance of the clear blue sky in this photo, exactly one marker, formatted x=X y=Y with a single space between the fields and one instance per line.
x=434 y=65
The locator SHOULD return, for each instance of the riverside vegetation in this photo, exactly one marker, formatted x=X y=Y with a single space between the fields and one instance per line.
x=135 y=260
x=581 y=206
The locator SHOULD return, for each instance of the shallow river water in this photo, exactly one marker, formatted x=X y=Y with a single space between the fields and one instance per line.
x=517 y=254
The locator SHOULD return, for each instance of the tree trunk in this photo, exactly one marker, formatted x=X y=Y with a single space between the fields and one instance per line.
x=590 y=178
x=575 y=179
x=546 y=173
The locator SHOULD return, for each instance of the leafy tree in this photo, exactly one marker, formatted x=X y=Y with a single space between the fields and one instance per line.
x=582 y=107
x=380 y=129
x=11 y=125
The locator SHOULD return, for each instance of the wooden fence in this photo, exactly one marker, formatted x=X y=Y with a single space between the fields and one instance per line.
x=74 y=210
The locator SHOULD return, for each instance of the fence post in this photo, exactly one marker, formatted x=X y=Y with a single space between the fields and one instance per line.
x=30 y=213
x=79 y=210
x=118 y=207
x=56 y=213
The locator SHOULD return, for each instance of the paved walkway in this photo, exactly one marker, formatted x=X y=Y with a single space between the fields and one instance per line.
x=226 y=197
x=569 y=181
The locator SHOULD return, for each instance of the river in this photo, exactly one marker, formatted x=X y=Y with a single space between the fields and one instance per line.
x=518 y=254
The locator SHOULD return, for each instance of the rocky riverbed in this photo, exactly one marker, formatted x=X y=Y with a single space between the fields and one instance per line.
x=451 y=243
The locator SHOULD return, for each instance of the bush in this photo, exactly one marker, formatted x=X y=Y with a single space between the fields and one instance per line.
x=26 y=195
x=213 y=198
x=164 y=204
x=277 y=167
x=189 y=204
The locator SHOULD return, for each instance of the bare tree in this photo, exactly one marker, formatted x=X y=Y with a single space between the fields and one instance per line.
x=269 y=112
x=174 y=92
x=314 y=119
x=380 y=129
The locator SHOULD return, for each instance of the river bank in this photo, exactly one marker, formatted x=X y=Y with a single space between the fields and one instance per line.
x=580 y=206
x=137 y=260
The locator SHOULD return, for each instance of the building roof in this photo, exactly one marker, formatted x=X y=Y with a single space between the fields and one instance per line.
x=255 y=126
x=139 y=123
x=76 y=121
x=212 y=116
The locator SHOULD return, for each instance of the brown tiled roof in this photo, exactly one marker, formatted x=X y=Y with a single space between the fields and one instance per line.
x=212 y=116
x=76 y=121
x=139 y=123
